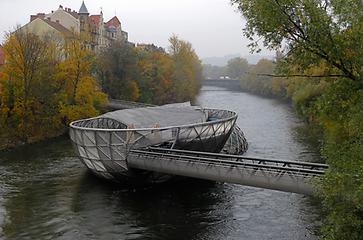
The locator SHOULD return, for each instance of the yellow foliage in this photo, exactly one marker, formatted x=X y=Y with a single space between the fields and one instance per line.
x=43 y=86
x=134 y=90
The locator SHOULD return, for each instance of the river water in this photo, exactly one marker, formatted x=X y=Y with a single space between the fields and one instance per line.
x=46 y=193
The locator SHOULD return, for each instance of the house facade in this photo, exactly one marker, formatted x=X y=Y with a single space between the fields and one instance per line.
x=98 y=32
x=46 y=28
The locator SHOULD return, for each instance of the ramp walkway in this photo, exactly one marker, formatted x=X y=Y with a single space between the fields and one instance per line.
x=288 y=176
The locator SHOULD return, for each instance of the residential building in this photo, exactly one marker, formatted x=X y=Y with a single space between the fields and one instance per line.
x=63 y=21
x=45 y=27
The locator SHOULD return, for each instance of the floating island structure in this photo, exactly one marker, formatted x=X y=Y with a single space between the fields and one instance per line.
x=103 y=143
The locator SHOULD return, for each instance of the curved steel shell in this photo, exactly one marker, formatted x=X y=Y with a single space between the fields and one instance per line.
x=103 y=144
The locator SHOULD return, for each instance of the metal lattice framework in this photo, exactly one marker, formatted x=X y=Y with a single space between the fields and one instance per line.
x=104 y=144
x=290 y=176
x=236 y=143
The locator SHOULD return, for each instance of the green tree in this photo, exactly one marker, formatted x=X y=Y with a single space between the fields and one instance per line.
x=236 y=67
x=156 y=71
x=323 y=42
x=310 y=31
x=187 y=75
x=259 y=77
x=116 y=68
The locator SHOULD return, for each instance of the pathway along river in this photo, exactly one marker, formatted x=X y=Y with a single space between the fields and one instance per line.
x=46 y=193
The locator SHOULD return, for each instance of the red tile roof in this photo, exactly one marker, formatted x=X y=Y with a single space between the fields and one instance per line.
x=113 y=22
x=95 y=19
x=2 y=56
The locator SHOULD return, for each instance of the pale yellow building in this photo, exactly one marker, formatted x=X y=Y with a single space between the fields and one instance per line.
x=47 y=28
x=66 y=17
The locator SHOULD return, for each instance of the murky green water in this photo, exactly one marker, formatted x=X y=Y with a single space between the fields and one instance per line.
x=46 y=193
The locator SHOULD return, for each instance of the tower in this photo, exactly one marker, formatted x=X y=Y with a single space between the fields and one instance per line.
x=84 y=18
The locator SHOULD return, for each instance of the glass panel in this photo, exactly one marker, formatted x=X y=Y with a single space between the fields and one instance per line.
x=82 y=152
x=92 y=153
x=104 y=153
x=99 y=166
x=89 y=138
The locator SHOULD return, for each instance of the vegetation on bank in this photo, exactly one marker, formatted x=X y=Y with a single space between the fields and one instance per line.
x=44 y=85
x=234 y=69
x=150 y=74
x=47 y=82
x=320 y=70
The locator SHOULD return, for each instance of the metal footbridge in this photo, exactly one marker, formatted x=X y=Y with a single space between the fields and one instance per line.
x=288 y=176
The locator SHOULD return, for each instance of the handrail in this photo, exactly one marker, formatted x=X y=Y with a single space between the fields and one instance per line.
x=239 y=157
x=229 y=162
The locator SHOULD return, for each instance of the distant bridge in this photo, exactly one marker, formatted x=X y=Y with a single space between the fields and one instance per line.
x=229 y=84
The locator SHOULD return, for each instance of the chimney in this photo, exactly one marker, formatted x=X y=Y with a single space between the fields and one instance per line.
x=33 y=17
x=60 y=6
x=39 y=15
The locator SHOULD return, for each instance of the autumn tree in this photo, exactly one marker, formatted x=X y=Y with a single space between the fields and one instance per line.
x=82 y=95
x=187 y=74
x=156 y=71
x=147 y=73
x=44 y=84
x=30 y=66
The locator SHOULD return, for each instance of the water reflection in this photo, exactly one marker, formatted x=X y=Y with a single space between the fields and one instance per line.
x=169 y=211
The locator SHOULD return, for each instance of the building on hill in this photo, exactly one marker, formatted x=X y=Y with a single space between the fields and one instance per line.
x=45 y=27
x=99 y=34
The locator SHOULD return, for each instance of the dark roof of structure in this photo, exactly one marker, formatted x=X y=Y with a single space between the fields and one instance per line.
x=59 y=27
x=83 y=9
x=74 y=14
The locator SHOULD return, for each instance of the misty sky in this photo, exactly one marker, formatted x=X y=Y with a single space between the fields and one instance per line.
x=212 y=26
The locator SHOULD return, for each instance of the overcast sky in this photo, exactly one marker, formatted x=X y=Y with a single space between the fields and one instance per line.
x=212 y=26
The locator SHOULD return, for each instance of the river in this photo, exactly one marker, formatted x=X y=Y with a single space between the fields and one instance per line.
x=46 y=193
